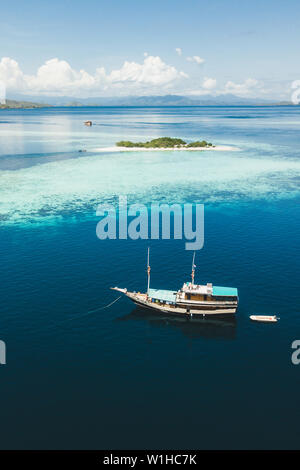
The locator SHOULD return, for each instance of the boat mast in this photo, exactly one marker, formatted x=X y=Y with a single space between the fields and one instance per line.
x=148 y=270
x=193 y=269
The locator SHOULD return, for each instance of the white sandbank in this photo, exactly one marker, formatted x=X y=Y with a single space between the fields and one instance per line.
x=218 y=148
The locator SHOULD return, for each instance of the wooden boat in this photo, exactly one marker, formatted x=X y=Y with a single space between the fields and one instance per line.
x=264 y=318
x=192 y=300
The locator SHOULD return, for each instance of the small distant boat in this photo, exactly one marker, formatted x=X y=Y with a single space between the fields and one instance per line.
x=192 y=300
x=88 y=123
x=264 y=318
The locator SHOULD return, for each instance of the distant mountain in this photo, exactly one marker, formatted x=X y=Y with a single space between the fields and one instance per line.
x=178 y=100
x=157 y=100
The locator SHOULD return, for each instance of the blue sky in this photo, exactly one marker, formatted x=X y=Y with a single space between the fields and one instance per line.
x=95 y=48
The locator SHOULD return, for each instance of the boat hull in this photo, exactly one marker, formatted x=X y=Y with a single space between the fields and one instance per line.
x=264 y=318
x=176 y=310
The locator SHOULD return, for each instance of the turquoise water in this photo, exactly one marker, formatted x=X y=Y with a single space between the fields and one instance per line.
x=121 y=377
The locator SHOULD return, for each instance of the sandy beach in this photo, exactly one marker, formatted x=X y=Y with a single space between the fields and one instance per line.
x=218 y=148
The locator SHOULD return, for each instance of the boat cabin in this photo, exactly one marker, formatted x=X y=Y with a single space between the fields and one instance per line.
x=207 y=292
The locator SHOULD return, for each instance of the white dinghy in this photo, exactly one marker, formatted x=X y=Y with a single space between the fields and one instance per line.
x=264 y=318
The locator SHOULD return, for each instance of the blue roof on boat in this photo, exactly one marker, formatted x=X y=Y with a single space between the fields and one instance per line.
x=163 y=295
x=231 y=291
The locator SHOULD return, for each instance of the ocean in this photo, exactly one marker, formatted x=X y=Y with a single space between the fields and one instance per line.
x=123 y=378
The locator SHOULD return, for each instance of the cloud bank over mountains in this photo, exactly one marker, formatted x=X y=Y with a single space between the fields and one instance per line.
x=151 y=76
x=57 y=76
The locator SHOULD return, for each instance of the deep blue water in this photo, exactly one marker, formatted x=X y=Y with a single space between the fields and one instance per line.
x=122 y=377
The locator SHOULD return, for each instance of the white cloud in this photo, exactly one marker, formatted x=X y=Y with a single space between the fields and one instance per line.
x=295 y=98
x=11 y=74
x=195 y=58
x=150 y=76
x=209 y=83
x=178 y=50
x=242 y=89
x=208 y=87
x=57 y=76
x=153 y=71
x=249 y=88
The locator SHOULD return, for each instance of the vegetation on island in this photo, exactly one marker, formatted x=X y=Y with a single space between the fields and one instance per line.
x=12 y=104
x=203 y=143
x=164 y=142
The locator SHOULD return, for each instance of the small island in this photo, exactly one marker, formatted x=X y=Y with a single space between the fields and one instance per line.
x=165 y=143
x=12 y=104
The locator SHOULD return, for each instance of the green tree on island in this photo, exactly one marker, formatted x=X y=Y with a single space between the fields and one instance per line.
x=203 y=143
x=163 y=142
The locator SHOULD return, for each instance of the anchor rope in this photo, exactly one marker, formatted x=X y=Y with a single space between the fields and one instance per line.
x=105 y=306
x=62 y=322
x=94 y=310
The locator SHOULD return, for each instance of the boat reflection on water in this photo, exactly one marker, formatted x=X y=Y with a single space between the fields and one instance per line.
x=205 y=327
